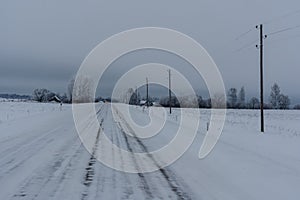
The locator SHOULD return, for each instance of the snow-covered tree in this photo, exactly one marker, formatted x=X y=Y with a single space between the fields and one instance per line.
x=40 y=95
x=277 y=99
x=274 y=96
x=232 y=97
x=189 y=101
x=70 y=89
x=208 y=103
x=283 y=102
x=82 y=90
x=43 y=95
x=133 y=99
x=297 y=107
x=241 y=98
x=201 y=102
x=165 y=101
x=253 y=103
x=218 y=101
x=49 y=96
x=64 y=98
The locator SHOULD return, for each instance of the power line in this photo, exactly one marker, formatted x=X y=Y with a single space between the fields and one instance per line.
x=246 y=46
x=244 y=34
x=282 y=16
x=272 y=33
x=284 y=30
x=283 y=39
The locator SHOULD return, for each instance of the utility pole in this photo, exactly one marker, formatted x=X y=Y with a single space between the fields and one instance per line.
x=170 y=91
x=147 y=95
x=261 y=46
x=137 y=95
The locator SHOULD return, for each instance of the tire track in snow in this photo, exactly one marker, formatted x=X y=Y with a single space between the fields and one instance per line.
x=11 y=161
x=108 y=177
x=25 y=149
x=128 y=190
x=90 y=169
x=124 y=182
x=143 y=180
x=166 y=174
x=51 y=178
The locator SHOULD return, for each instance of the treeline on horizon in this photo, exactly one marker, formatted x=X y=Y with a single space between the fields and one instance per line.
x=235 y=99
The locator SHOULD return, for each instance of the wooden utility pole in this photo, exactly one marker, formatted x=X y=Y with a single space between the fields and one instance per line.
x=262 y=37
x=147 y=95
x=137 y=96
x=170 y=91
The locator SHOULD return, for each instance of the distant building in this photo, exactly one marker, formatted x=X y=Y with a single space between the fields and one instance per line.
x=55 y=99
x=144 y=103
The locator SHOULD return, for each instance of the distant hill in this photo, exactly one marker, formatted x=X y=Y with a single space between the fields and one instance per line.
x=15 y=96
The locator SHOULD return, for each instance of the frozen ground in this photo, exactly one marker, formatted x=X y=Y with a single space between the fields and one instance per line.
x=41 y=157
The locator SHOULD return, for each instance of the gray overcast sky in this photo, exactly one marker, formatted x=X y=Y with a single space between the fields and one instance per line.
x=44 y=42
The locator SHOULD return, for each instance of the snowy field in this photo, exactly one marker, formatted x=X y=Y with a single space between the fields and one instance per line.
x=42 y=157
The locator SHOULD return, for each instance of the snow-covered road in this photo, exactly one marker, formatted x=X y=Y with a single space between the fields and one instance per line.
x=45 y=159
x=42 y=157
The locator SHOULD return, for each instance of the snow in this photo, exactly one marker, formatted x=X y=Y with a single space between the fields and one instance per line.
x=16 y=110
x=42 y=157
